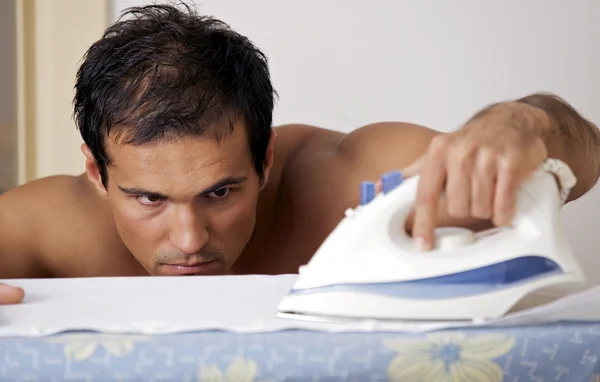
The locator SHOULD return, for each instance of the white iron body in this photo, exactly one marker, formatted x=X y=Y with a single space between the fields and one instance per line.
x=368 y=267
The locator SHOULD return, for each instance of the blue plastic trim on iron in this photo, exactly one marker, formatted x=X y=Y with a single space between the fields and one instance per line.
x=367 y=192
x=473 y=282
x=391 y=180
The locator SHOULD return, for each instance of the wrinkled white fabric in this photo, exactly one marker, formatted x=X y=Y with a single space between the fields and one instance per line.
x=244 y=304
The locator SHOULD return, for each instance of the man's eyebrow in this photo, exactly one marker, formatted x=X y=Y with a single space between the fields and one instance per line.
x=138 y=191
x=220 y=184
x=224 y=182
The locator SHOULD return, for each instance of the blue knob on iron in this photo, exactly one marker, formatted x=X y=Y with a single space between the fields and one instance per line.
x=390 y=180
x=367 y=192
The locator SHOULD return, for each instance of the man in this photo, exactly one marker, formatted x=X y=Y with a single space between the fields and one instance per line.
x=185 y=176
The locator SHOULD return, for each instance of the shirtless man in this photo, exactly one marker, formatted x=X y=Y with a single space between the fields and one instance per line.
x=185 y=175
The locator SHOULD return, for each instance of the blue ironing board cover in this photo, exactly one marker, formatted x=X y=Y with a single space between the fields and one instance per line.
x=558 y=352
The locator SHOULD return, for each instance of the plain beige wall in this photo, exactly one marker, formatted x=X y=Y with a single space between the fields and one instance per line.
x=52 y=39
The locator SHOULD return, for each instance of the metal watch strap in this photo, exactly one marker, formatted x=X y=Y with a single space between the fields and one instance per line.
x=565 y=177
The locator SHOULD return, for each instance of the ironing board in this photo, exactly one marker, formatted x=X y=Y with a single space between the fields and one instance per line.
x=559 y=352
x=517 y=351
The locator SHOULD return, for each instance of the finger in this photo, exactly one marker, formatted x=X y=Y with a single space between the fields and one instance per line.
x=458 y=186
x=429 y=189
x=414 y=168
x=506 y=193
x=10 y=294
x=482 y=185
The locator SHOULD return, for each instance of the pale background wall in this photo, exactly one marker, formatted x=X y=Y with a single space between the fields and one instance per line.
x=46 y=43
x=344 y=63
x=341 y=64
x=62 y=31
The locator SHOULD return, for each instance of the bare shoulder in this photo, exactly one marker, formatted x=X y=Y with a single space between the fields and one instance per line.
x=28 y=214
x=315 y=178
x=323 y=168
x=47 y=227
x=334 y=163
x=292 y=138
x=384 y=146
x=293 y=143
x=43 y=197
x=328 y=172
x=371 y=144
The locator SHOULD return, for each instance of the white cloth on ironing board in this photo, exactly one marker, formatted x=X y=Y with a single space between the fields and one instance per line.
x=244 y=304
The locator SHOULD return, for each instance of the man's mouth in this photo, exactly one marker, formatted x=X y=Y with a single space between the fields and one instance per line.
x=197 y=268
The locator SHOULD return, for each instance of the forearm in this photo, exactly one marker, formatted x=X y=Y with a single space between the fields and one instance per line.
x=569 y=137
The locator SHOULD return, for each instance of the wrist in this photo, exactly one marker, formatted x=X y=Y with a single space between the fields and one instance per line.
x=536 y=119
x=522 y=116
x=540 y=119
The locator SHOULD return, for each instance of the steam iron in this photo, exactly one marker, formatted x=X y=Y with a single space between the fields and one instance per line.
x=368 y=268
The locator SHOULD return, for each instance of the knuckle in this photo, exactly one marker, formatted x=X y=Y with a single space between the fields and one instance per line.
x=486 y=160
x=503 y=212
x=462 y=160
x=422 y=223
x=461 y=150
x=481 y=211
x=481 y=205
x=424 y=226
x=511 y=166
x=461 y=156
x=438 y=147
x=421 y=226
x=497 y=220
x=457 y=210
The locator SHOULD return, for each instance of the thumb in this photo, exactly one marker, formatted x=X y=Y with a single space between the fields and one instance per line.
x=414 y=168
x=10 y=294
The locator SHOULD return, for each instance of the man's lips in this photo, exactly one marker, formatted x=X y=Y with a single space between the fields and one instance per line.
x=187 y=268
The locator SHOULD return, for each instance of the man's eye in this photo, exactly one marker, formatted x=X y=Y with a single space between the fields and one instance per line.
x=220 y=193
x=149 y=199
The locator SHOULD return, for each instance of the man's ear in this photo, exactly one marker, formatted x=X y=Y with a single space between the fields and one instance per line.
x=269 y=158
x=92 y=170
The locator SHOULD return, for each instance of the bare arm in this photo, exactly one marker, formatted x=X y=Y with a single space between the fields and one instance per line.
x=17 y=254
x=36 y=231
x=19 y=232
x=569 y=137
x=479 y=166
x=59 y=227
x=370 y=151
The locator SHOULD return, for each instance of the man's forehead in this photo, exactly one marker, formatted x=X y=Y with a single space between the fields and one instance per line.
x=191 y=158
x=208 y=147
x=181 y=168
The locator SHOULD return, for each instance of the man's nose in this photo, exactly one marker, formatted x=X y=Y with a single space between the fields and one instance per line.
x=189 y=232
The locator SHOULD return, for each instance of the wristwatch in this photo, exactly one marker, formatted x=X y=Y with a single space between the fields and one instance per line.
x=564 y=176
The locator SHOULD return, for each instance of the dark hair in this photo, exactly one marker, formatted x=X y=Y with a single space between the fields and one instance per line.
x=163 y=73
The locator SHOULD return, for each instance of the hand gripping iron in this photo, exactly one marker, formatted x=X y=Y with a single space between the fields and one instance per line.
x=368 y=268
